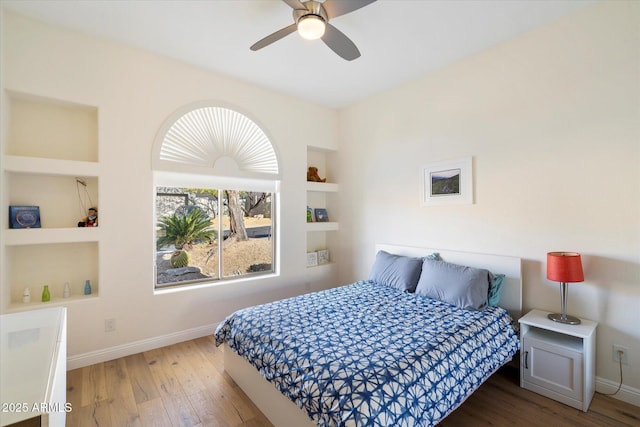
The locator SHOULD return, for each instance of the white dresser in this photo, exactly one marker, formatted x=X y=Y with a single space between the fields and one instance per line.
x=33 y=360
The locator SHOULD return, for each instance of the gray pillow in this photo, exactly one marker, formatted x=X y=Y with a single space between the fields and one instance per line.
x=464 y=287
x=397 y=271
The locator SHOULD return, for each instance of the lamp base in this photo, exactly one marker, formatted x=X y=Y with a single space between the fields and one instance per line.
x=563 y=318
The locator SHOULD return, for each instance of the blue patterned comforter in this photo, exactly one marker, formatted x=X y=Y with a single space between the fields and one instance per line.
x=369 y=355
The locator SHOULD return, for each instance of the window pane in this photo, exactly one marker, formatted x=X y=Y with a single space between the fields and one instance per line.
x=247 y=227
x=187 y=234
x=187 y=224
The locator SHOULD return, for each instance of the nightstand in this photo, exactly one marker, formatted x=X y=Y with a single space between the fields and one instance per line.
x=558 y=360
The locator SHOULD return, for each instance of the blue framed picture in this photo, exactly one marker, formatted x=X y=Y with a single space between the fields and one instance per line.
x=24 y=217
x=321 y=215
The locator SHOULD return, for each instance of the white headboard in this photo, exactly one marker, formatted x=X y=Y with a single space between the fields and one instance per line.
x=511 y=267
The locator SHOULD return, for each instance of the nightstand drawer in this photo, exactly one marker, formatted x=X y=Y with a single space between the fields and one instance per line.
x=554 y=366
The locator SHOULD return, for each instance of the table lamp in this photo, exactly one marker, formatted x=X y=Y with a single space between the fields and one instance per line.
x=564 y=267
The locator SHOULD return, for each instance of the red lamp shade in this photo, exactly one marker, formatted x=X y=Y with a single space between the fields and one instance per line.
x=564 y=267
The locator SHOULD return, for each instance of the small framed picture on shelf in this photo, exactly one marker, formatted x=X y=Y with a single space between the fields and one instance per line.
x=321 y=215
x=312 y=259
x=323 y=256
x=24 y=217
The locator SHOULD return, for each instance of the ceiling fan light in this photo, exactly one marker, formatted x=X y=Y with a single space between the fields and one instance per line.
x=311 y=27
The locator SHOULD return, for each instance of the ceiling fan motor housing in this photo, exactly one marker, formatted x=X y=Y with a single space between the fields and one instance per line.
x=312 y=8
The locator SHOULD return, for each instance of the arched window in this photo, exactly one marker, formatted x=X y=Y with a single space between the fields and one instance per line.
x=216 y=181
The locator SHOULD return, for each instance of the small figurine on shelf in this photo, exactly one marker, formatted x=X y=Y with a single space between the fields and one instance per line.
x=91 y=220
x=312 y=175
x=87 y=287
x=309 y=215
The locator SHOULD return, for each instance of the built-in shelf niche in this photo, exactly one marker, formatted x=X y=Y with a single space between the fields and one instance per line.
x=323 y=235
x=56 y=196
x=33 y=266
x=51 y=129
x=51 y=161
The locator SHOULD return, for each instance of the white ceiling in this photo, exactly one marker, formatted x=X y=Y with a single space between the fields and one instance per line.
x=398 y=39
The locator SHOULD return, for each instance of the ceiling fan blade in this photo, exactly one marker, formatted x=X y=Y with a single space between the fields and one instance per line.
x=295 y=4
x=273 y=37
x=339 y=43
x=342 y=7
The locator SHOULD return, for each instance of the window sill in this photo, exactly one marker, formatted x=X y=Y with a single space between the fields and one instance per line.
x=177 y=287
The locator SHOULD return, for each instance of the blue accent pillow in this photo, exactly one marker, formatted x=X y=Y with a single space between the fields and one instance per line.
x=434 y=256
x=495 y=290
x=396 y=271
x=462 y=286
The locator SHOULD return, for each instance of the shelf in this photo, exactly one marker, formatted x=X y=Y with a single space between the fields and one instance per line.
x=49 y=128
x=330 y=264
x=41 y=236
x=327 y=187
x=50 y=160
x=322 y=226
x=15 y=307
x=561 y=340
x=323 y=235
x=43 y=166
x=322 y=150
x=35 y=265
x=538 y=319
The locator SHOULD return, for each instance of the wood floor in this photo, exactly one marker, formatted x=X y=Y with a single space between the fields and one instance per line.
x=185 y=385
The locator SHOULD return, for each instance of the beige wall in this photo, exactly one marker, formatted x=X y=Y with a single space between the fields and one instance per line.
x=135 y=92
x=551 y=119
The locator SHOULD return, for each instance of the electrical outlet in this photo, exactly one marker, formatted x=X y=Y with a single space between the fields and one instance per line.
x=617 y=357
x=109 y=325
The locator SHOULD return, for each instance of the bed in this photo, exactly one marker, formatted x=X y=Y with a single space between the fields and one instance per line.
x=373 y=353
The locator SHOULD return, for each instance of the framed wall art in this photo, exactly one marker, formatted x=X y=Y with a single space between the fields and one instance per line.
x=321 y=215
x=447 y=182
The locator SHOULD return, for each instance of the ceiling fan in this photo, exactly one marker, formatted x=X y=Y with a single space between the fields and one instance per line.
x=311 y=19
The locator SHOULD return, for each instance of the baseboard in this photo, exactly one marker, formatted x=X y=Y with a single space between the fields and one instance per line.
x=93 y=357
x=626 y=394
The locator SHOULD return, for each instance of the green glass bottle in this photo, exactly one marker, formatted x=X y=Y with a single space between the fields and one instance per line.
x=46 y=296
